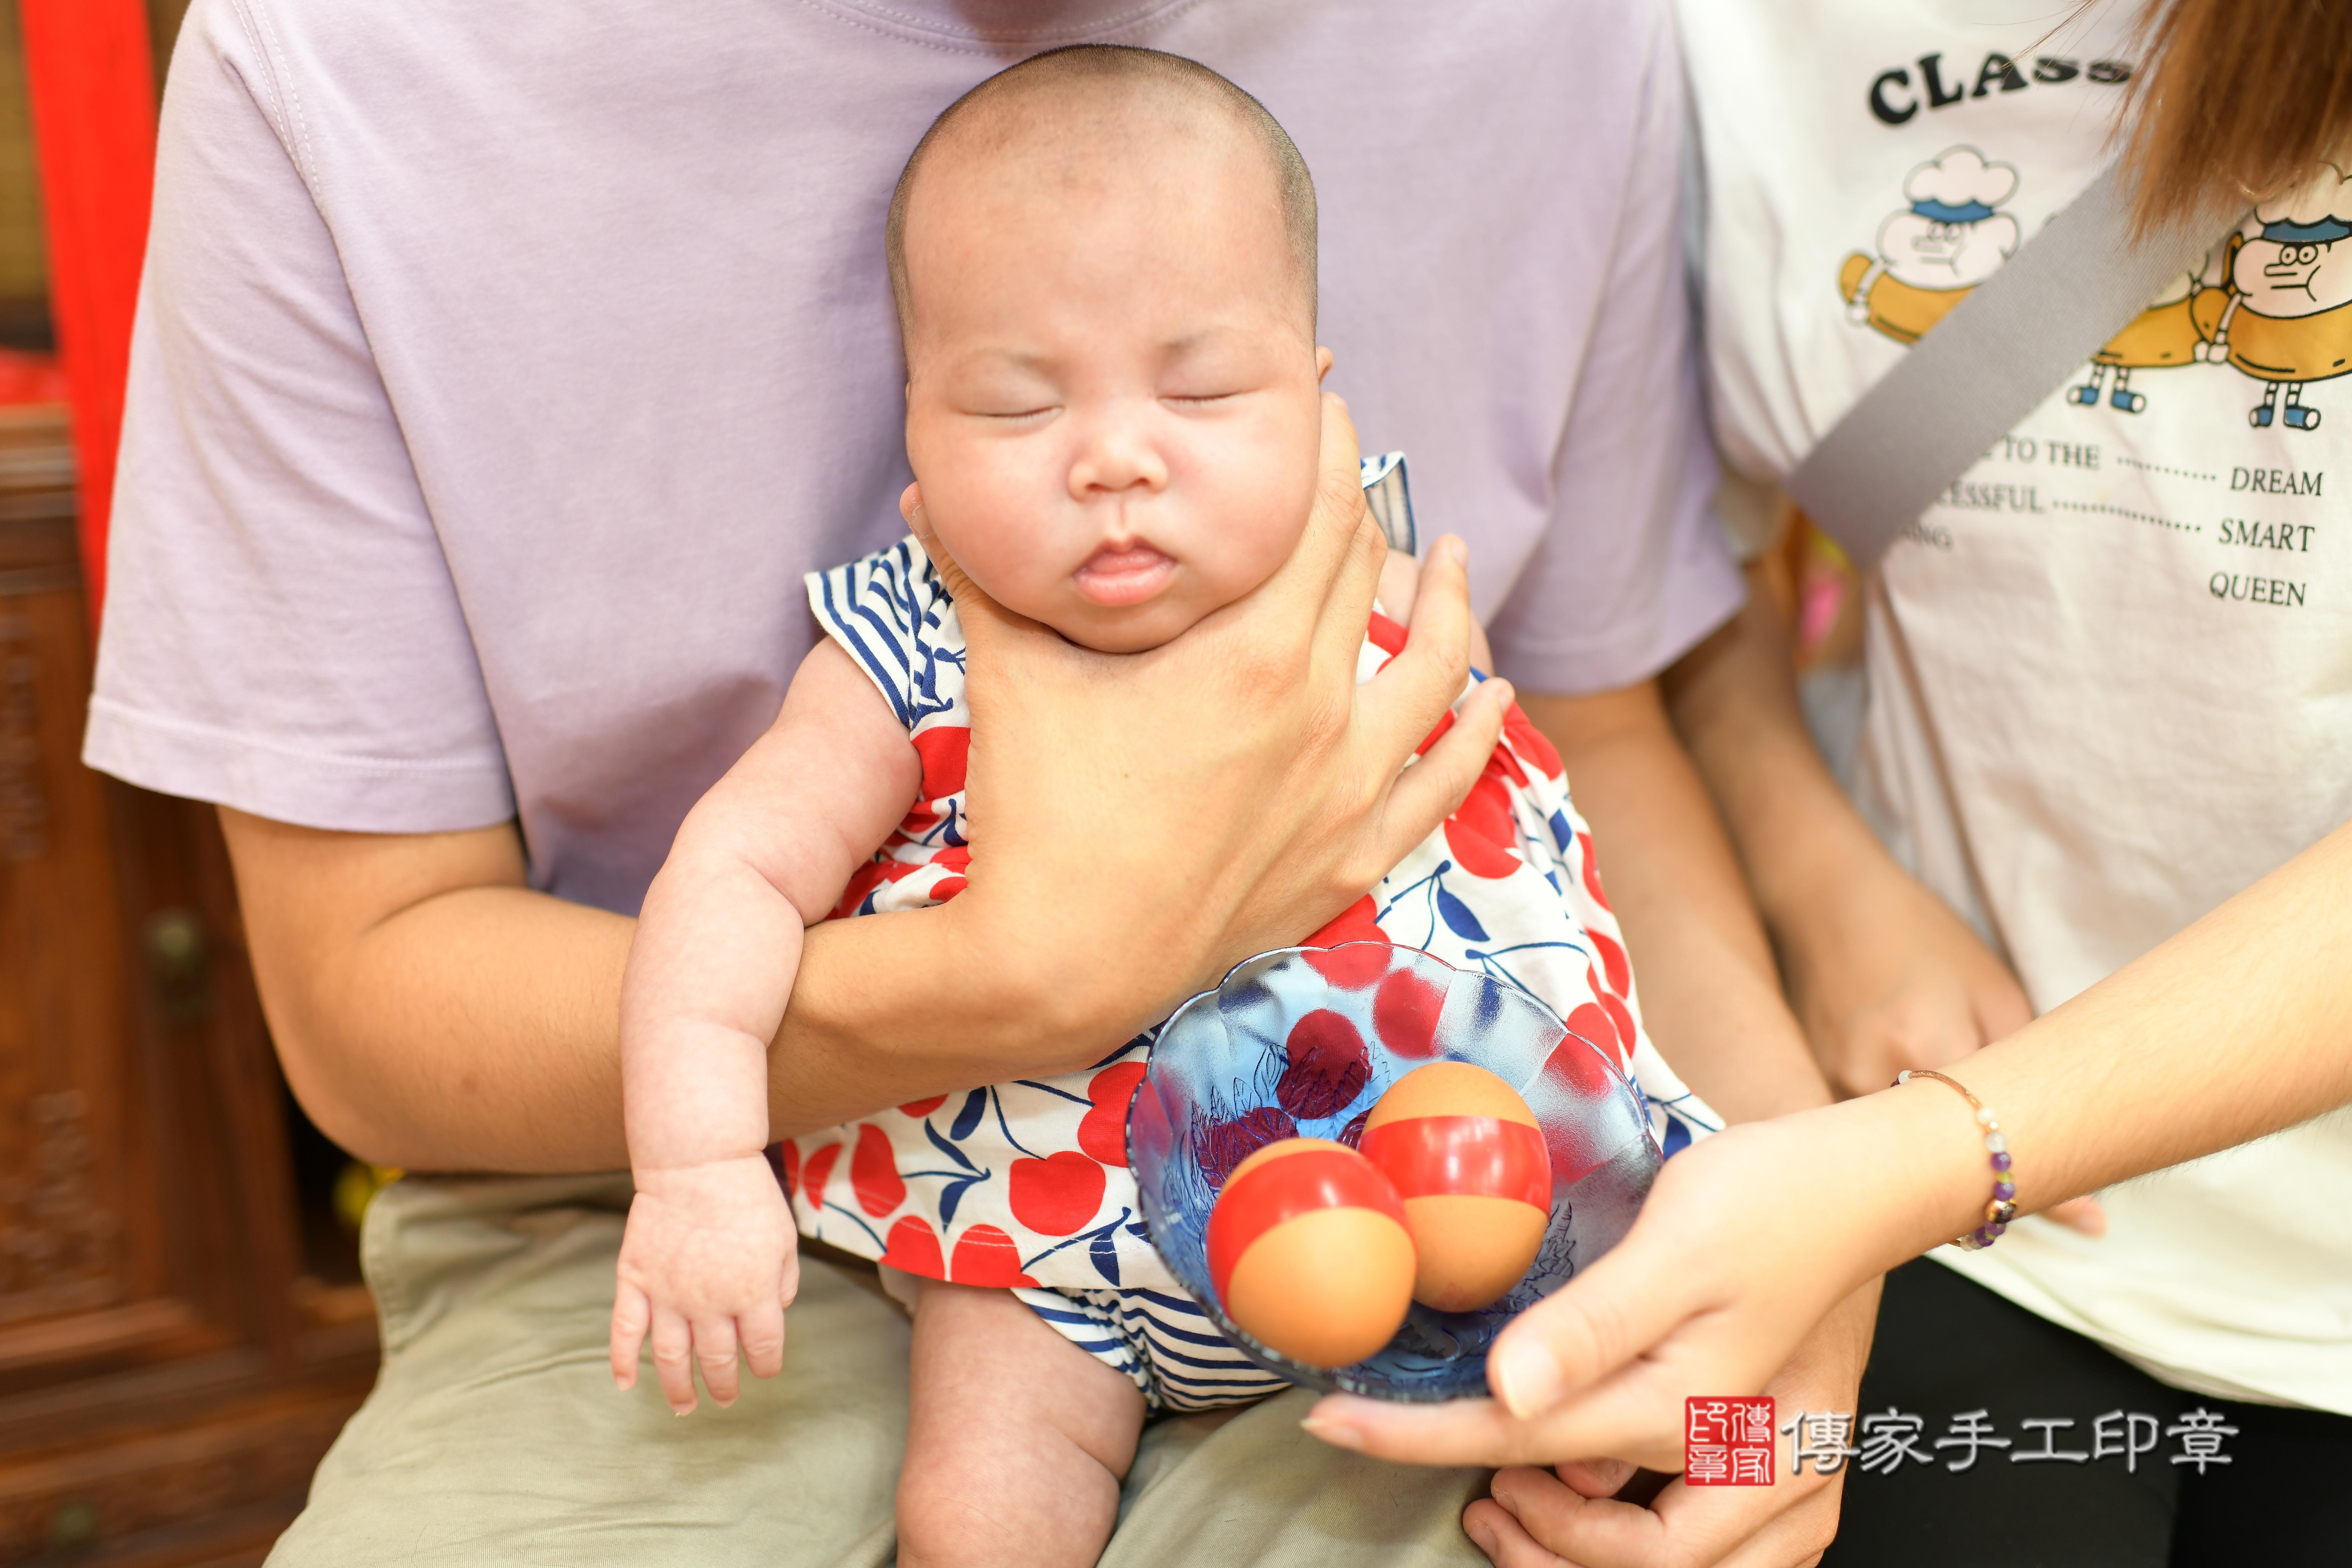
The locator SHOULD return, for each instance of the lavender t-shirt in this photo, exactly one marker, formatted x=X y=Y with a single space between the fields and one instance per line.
x=501 y=370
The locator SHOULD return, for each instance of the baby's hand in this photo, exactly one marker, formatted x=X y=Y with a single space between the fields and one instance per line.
x=709 y=1263
x=1401 y=584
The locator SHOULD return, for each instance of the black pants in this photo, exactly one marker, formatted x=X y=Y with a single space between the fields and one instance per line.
x=1948 y=1347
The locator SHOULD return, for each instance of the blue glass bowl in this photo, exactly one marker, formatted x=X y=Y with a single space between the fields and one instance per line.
x=1222 y=1084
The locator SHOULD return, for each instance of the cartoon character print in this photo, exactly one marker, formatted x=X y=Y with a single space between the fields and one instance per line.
x=1025 y=1184
x=2161 y=337
x=2282 y=316
x=1933 y=253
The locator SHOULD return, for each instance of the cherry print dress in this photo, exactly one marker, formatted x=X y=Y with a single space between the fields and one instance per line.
x=1025 y=1185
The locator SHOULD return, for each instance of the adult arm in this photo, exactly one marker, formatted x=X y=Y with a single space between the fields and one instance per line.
x=1752 y=1236
x=1152 y=819
x=1882 y=973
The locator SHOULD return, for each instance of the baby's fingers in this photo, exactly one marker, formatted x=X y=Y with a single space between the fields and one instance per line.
x=672 y=1362
x=761 y=1330
x=632 y=1311
x=714 y=1352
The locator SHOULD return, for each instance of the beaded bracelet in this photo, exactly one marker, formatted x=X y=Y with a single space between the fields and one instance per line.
x=2002 y=1206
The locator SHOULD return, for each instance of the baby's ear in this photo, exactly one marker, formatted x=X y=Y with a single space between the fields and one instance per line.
x=1322 y=363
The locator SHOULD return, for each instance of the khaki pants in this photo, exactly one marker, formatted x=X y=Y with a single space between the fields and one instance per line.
x=495 y=1435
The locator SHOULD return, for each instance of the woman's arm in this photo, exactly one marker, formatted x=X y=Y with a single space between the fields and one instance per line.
x=1752 y=1236
x=1150 y=820
x=1884 y=975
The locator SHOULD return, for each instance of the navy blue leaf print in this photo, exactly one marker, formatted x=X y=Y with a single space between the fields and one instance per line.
x=1562 y=832
x=1677 y=1138
x=1104 y=1256
x=975 y=1106
x=1458 y=918
x=950 y=1196
x=944 y=1147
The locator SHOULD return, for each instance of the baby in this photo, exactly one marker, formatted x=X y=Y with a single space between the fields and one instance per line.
x=1104 y=261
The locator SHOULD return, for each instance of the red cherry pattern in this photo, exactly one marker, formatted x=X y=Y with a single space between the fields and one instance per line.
x=817 y=1172
x=1405 y=1010
x=868 y=877
x=874 y=1171
x=1102 y=1131
x=1593 y=1023
x=1056 y=1195
x=913 y=1247
x=1612 y=961
x=1327 y=1068
x=1572 y=1062
x=1228 y=1143
x=945 y=751
x=1502 y=763
x=986 y=1256
x=1592 y=869
x=1357 y=964
x=1531 y=743
x=1481 y=832
x=1353 y=924
x=919 y=1109
x=1621 y=1017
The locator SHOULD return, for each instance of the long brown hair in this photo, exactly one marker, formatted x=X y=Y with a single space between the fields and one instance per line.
x=2239 y=99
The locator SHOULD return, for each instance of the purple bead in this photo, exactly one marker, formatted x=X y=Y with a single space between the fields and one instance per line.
x=2004 y=1189
x=2000 y=1162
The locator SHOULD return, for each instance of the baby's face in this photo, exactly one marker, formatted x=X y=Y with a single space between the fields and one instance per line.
x=1112 y=400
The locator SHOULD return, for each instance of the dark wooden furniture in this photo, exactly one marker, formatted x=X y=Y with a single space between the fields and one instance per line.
x=181 y=1335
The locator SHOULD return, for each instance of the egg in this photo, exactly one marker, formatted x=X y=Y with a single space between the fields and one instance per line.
x=1463 y=1152
x=1308 y=1252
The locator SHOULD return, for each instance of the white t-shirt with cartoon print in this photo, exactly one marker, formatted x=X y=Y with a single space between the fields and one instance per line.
x=2111 y=669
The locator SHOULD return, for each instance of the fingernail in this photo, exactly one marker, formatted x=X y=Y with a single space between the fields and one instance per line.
x=1456 y=551
x=1525 y=1378
x=1504 y=695
x=1338 y=1434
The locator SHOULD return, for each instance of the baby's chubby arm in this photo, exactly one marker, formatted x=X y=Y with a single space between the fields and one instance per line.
x=709 y=1260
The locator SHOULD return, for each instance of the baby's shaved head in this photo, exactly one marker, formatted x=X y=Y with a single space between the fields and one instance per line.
x=1094 y=102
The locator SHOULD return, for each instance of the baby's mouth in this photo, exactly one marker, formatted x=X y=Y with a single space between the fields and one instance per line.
x=1117 y=575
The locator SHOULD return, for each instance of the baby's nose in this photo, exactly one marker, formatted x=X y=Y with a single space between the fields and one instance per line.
x=1117 y=455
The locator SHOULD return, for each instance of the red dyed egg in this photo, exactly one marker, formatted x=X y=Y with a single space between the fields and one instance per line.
x=1308 y=1251
x=1466 y=1155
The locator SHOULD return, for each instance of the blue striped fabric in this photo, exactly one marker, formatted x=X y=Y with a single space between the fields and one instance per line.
x=1162 y=1341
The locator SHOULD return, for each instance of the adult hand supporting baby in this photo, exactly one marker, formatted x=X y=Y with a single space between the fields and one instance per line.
x=1713 y=1292
x=1152 y=818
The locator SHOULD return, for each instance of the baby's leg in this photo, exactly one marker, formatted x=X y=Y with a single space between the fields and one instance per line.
x=1016 y=1441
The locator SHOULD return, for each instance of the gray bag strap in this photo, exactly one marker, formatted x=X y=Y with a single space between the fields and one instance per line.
x=2022 y=331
